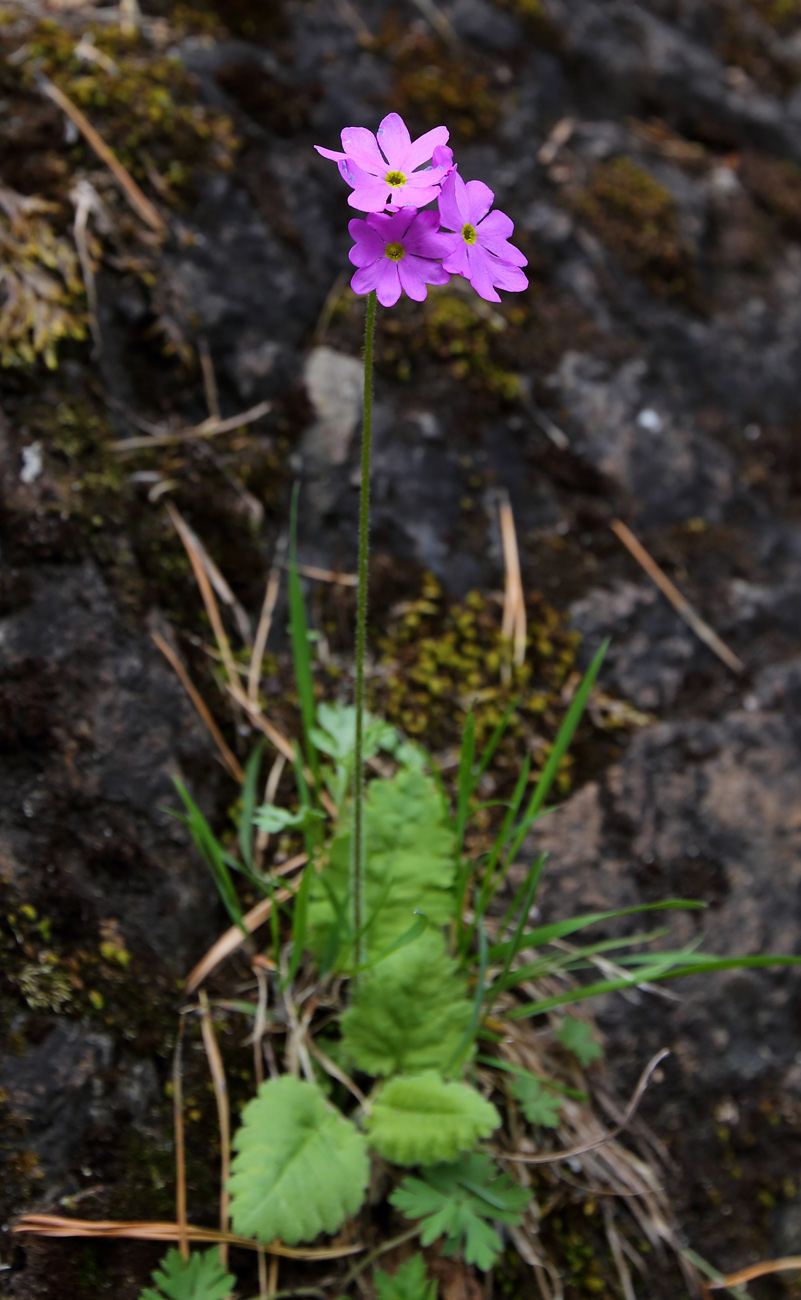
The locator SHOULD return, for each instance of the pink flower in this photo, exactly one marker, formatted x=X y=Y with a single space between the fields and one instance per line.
x=381 y=168
x=480 y=248
x=395 y=253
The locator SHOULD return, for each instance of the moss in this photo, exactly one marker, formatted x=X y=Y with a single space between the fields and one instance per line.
x=537 y=20
x=433 y=85
x=636 y=218
x=775 y=184
x=43 y=298
x=145 y=105
x=460 y=329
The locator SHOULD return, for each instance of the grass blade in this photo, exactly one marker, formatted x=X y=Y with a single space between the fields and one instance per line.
x=212 y=854
x=248 y=806
x=658 y=972
x=301 y=654
x=478 y=1002
x=558 y=929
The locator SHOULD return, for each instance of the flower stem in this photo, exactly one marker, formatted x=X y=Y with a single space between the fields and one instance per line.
x=357 y=846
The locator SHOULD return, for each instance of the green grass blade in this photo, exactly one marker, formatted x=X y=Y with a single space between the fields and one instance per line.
x=301 y=654
x=495 y=1061
x=501 y=840
x=466 y=781
x=646 y=976
x=478 y=1002
x=532 y=882
x=248 y=807
x=560 y=747
x=558 y=929
x=212 y=854
x=495 y=739
x=300 y=917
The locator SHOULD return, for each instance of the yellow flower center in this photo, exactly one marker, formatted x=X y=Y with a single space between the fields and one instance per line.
x=394 y=252
x=469 y=233
x=395 y=179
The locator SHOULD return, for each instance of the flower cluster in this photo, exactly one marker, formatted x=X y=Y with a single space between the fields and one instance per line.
x=400 y=248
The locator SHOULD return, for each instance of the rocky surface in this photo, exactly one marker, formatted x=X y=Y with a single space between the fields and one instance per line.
x=650 y=155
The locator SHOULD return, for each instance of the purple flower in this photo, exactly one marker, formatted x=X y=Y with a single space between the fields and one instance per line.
x=395 y=253
x=480 y=248
x=381 y=169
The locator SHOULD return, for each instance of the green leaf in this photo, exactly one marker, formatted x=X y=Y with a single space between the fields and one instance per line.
x=576 y=1036
x=409 y=1282
x=201 y=1277
x=272 y=819
x=419 y=1119
x=409 y=868
x=539 y=1105
x=408 y=1012
x=300 y=1168
x=458 y=1201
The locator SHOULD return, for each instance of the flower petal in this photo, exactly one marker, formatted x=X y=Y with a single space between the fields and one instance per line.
x=330 y=153
x=366 y=278
x=479 y=276
x=394 y=139
x=453 y=206
x=507 y=276
x=424 y=237
x=371 y=198
x=479 y=201
x=412 y=272
x=503 y=250
x=496 y=224
x=368 y=245
x=423 y=148
x=360 y=145
x=388 y=285
x=415 y=195
x=455 y=260
x=392 y=226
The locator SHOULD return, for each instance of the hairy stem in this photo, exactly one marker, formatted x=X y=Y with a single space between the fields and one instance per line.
x=357 y=847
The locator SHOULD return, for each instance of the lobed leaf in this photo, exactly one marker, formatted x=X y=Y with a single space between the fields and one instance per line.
x=301 y=1168
x=458 y=1201
x=201 y=1277
x=409 y=868
x=420 y=1119
x=409 y=1282
x=409 y=1012
x=577 y=1037
x=540 y=1106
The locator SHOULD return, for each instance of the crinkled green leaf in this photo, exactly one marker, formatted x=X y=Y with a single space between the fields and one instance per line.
x=301 y=1168
x=201 y=1277
x=409 y=1282
x=409 y=1012
x=538 y=1104
x=409 y=867
x=458 y=1201
x=272 y=819
x=576 y=1036
x=419 y=1119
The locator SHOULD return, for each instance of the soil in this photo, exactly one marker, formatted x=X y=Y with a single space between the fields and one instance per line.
x=650 y=156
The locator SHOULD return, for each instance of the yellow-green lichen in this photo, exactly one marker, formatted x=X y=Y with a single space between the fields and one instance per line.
x=636 y=218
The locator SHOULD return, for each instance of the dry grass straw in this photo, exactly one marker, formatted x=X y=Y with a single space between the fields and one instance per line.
x=681 y=605
x=210 y=428
x=229 y=759
x=791 y=1263
x=180 y=1149
x=55 y=1225
x=137 y=200
x=223 y=1111
x=234 y=938
x=194 y=546
x=513 y=626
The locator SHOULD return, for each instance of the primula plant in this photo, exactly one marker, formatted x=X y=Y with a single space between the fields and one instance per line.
x=404 y=962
